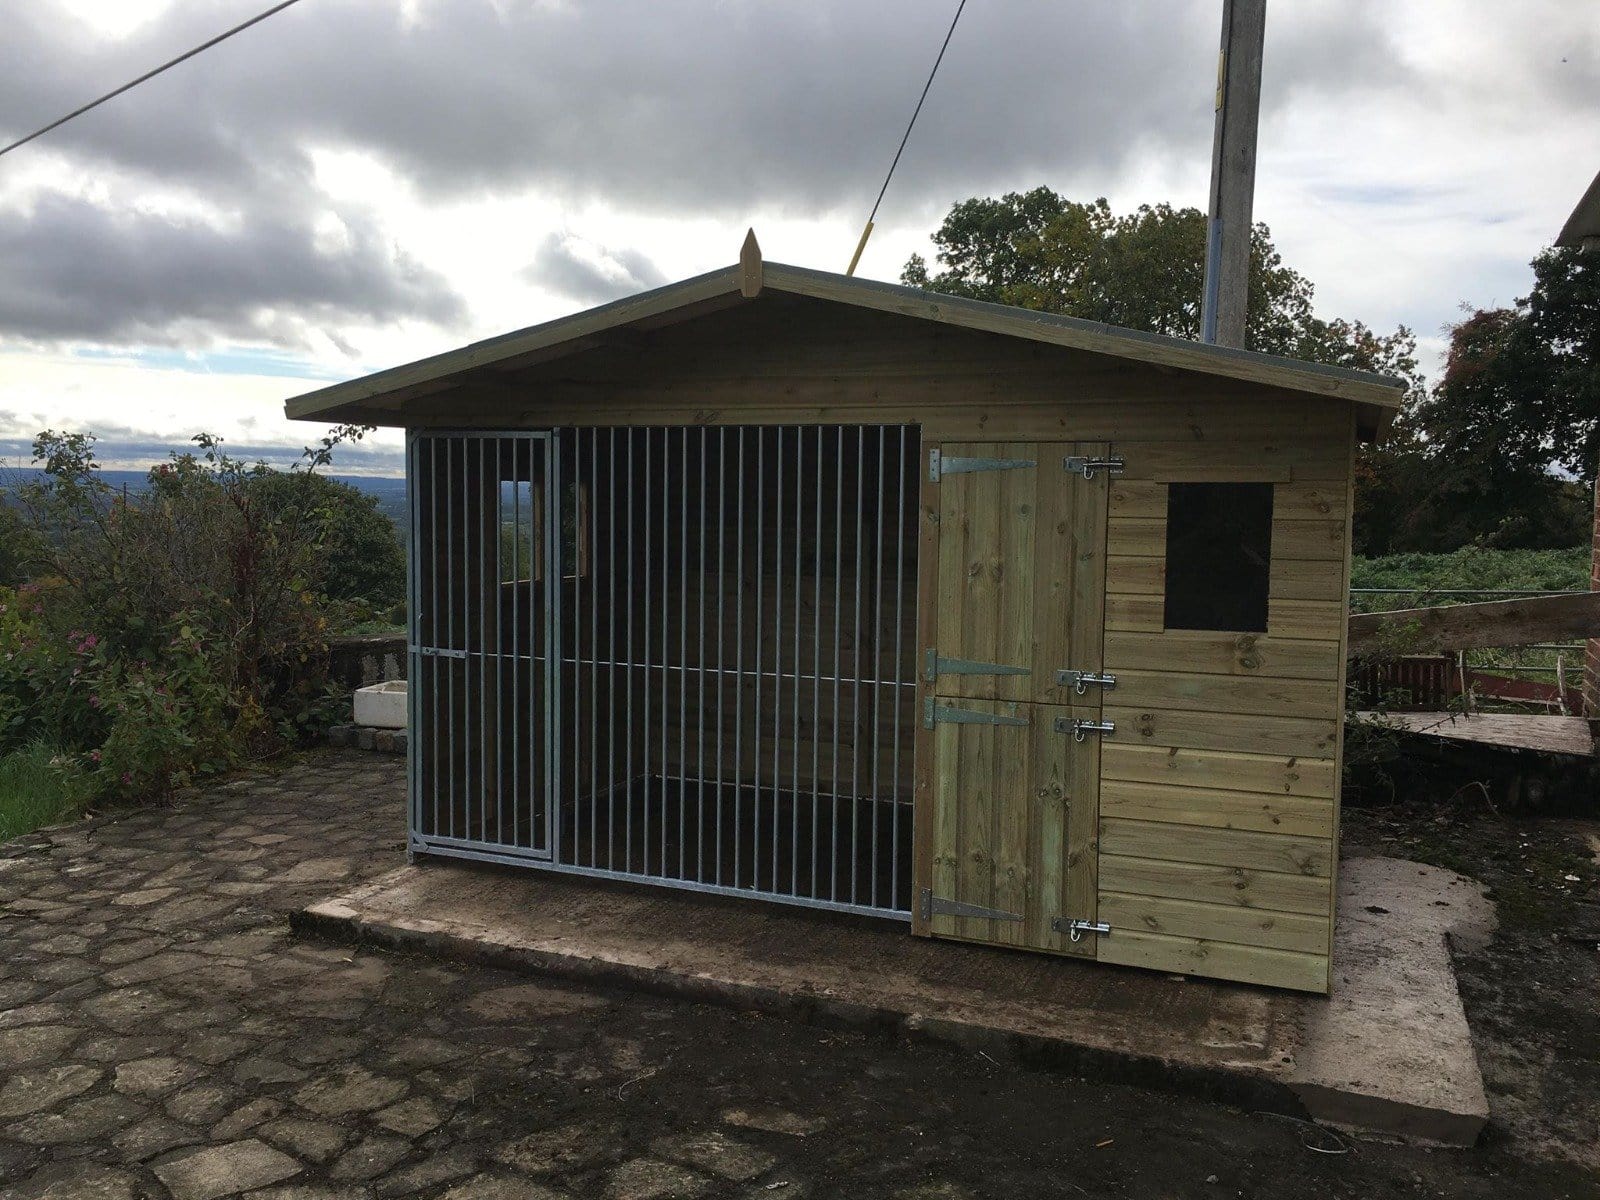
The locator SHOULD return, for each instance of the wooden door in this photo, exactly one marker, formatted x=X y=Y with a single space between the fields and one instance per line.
x=1018 y=594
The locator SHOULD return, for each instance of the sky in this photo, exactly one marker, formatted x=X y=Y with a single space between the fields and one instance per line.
x=353 y=184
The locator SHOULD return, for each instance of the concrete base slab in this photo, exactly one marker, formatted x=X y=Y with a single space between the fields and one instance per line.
x=1250 y=1046
x=1391 y=1048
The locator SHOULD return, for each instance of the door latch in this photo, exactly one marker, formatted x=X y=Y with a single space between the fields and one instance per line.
x=1089 y=467
x=1076 y=929
x=1080 y=728
x=1079 y=681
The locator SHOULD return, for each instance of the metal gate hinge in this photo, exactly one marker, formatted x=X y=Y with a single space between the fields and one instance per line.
x=1076 y=929
x=1078 y=464
x=965 y=666
x=1080 y=728
x=933 y=712
x=940 y=465
x=1079 y=681
x=938 y=906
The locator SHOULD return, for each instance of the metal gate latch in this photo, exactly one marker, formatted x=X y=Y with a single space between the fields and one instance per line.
x=1079 y=681
x=1077 y=464
x=1076 y=929
x=1080 y=728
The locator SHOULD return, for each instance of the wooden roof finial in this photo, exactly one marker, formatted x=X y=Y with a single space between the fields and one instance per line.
x=750 y=267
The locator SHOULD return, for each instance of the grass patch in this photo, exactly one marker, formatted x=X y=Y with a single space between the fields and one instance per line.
x=32 y=792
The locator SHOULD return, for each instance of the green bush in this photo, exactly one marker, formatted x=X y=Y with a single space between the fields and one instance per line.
x=1426 y=577
x=177 y=632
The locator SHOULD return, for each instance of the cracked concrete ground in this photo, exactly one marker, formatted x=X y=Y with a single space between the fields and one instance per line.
x=162 y=1036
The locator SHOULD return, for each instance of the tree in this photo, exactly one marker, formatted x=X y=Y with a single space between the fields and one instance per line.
x=1142 y=270
x=362 y=558
x=1521 y=388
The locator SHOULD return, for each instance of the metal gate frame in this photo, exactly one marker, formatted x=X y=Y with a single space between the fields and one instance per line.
x=417 y=841
x=553 y=735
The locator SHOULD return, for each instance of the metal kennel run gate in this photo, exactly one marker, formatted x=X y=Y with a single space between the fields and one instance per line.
x=683 y=655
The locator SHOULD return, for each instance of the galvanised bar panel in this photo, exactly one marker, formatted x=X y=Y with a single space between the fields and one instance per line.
x=583 y=503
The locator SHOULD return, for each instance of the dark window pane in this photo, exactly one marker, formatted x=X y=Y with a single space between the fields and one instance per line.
x=1219 y=549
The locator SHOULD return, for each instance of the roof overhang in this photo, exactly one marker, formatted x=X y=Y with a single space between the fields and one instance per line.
x=1376 y=397
x=1583 y=226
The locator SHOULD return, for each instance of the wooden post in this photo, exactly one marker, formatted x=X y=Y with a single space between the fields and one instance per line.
x=1233 y=173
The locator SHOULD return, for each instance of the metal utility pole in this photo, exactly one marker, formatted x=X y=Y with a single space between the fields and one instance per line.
x=1233 y=173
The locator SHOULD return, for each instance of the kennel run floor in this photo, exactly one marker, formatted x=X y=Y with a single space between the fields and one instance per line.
x=1390 y=1051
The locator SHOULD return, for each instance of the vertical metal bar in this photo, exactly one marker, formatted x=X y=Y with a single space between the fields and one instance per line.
x=538 y=576
x=722 y=623
x=838 y=614
x=433 y=622
x=413 y=642
x=517 y=764
x=611 y=649
x=879 y=503
x=649 y=598
x=481 y=833
x=589 y=525
x=633 y=609
x=777 y=654
x=755 y=708
x=900 y=693
x=450 y=594
x=855 y=683
x=794 y=746
x=700 y=783
x=738 y=656
x=683 y=647
x=500 y=641
x=562 y=516
x=816 y=665
x=666 y=631
x=553 y=648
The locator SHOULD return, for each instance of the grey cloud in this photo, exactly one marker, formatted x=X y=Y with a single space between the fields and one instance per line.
x=75 y=269
x=685 y=106
x=688 y=108
x=591 y=274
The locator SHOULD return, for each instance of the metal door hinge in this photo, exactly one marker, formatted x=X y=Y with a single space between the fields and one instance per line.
x=964 y=666
x=1078 y=464
x=940 y=465
x=1080 y=728
x=937 y=906
x=1079 y=681
x=1076 y=929
x=933 y=712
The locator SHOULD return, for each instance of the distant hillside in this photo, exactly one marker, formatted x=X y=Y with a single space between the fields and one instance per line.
x=390 y=491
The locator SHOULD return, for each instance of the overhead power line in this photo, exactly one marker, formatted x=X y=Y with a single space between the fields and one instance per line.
x=166 y=66
x=873 y=216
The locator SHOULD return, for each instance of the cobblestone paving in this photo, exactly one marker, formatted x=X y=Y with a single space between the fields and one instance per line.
x=163 y=1036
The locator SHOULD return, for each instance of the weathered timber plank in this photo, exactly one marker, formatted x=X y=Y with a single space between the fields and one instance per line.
x=1177 y=690
x=1147 y=499
x=1229 y=771
x=1471 y=626
x=1127 y=913
x=1543 y=733
x=1220 y=960
x=1269 y=890
x=1306 y=737
x=1217 y=847
x=1253 y=654
x=1257 y=811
